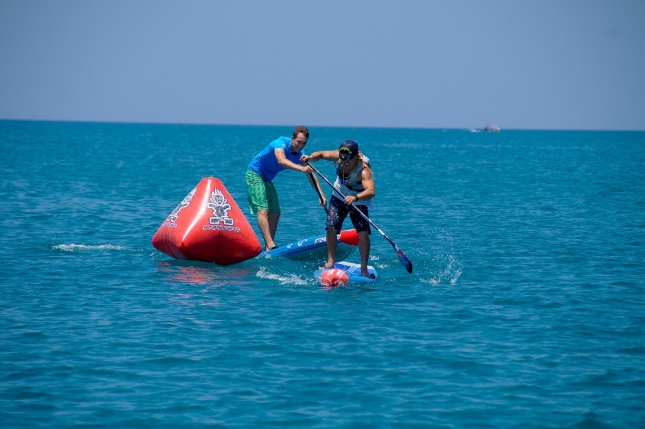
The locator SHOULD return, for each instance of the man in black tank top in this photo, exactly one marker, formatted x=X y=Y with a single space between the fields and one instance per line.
x=354 y=179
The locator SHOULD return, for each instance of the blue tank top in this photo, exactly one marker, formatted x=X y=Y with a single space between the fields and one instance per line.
x=266 y=164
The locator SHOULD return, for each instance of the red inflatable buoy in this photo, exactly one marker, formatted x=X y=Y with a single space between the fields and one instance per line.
x=349 y=236
x=208 y=226
x=333 y=277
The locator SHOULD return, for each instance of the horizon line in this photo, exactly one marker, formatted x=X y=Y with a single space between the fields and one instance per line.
x=310 y=126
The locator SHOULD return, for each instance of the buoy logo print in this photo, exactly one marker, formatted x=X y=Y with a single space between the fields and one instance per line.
x=220 y=208
x=172 y=217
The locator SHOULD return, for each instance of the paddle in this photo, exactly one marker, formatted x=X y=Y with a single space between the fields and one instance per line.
x=313 y=185
x=402 y=258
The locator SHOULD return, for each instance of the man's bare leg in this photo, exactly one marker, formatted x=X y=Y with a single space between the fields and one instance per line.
x=273 y=224
x=268 y=224
x=332 y=242
x=364 y=249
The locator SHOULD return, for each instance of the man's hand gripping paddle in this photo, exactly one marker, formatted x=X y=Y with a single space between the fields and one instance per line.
x=402 y=258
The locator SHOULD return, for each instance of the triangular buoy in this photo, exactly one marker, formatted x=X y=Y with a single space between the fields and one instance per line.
x=208 y=226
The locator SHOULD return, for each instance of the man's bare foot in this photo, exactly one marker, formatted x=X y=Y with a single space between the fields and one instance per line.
x=327 y=265
x=367 y=274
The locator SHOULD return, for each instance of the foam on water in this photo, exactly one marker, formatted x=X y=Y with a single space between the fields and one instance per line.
x=73 y=247
x=291 y=279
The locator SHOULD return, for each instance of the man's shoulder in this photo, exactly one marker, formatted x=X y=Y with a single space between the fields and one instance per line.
x=280 y=142
x=366 y=171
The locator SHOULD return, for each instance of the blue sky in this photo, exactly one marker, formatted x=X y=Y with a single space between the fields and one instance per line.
x=565 y=64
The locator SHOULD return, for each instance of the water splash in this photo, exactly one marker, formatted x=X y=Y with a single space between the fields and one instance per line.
x=449 y=275
x=441 y=265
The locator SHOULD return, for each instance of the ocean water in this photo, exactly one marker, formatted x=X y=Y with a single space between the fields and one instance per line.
x=525 y=309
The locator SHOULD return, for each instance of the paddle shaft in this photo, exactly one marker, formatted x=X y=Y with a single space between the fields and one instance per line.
x=402 y=257
x=313 y=183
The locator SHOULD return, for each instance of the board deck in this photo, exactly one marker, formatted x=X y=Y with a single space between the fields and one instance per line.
x=315 y=247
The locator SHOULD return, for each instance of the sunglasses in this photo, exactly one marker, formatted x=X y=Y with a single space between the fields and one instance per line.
x=345 y=157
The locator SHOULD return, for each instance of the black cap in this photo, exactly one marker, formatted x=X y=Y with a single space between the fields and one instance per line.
x=349 y=146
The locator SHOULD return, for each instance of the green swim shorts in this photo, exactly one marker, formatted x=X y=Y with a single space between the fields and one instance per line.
x=261 y=194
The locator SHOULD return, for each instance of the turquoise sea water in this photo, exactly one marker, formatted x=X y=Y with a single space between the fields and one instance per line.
x=526 y=307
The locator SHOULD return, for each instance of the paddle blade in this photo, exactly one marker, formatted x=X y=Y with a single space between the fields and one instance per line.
x=403 y=259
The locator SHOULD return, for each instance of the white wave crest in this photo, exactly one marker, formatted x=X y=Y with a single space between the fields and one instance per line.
x=291 y=279
x=74 y=247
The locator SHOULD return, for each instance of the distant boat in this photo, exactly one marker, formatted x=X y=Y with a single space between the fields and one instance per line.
x=491 y=129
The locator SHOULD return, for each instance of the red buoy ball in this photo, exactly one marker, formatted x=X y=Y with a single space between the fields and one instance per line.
x=333 y=277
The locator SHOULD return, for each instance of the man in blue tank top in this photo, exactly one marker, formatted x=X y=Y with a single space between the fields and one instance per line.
x=354 y=179
x=281 y=154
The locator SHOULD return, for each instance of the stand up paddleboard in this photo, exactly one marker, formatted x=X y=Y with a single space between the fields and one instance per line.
x=344 y=272
x=316 y=247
